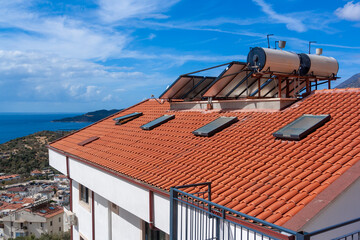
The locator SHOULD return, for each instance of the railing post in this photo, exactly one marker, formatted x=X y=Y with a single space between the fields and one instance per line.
x=173 y=214
x=302 y=236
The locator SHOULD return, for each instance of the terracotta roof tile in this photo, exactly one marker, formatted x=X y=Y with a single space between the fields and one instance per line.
x=250 y=170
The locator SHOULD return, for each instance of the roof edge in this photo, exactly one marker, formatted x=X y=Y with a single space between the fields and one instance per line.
x=322 y=200
x=125 y=109
x=114 y=173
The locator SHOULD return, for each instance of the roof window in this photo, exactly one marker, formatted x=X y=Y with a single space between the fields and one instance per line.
x=301 y=127
x=157 y=122
x=127 y=118
x=215 y=126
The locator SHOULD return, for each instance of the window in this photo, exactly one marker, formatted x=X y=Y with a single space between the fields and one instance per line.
x=59 y=219
x=41 y=225
x=59 y=229
x=153 y=234
x=157 y=122
x=301 y=127
x=50 y=223
x=84 y=194
x=127 y=118
x=215 y=126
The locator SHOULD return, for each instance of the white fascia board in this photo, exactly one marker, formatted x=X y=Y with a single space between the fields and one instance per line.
x=57 y=161
x=126 y=195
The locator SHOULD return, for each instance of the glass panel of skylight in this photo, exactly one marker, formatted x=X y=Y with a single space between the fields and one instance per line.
x=215 y=126
x=157 y=122
x=301 y=127
x=127 y=118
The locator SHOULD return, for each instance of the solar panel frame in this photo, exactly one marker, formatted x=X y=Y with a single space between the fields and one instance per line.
x=301 y=127
x=127 y=118
x=186 y=85
x=215 y=126
x=157 y=122
x=224 y=79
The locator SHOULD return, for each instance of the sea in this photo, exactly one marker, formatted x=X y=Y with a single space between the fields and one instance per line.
x=14 y=125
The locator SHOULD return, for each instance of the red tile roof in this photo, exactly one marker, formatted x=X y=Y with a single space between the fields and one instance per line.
x=8 y=177
x=47 y=211
x=250 y=170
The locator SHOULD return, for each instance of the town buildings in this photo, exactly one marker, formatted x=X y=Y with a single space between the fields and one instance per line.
x=293 y=163
x=35 y=220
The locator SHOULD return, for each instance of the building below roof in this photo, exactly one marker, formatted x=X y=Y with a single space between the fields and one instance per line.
x=301 y=184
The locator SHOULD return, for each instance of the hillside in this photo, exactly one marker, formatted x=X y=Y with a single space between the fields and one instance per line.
x=22 y=155
x=353 y=82
x=89 y=117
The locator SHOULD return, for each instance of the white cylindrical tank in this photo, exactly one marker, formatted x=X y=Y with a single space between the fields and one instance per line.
x=316 y=65
x=267 y=59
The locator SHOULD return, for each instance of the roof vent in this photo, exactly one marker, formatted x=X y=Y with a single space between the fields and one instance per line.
x=87 y=141
x=319 y=51
x=282 y=44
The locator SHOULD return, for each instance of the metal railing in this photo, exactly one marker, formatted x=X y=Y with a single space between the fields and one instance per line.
x=352 y=235
x=195 y=218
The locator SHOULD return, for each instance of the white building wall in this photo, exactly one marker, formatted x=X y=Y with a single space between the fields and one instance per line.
x=124 y=194
x=58 y=161
x=162 y=213
x=126 y=225
x=343 y=208
x=102 y=215
x=83 y=214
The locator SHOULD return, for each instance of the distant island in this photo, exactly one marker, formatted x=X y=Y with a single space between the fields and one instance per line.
x=90 y=116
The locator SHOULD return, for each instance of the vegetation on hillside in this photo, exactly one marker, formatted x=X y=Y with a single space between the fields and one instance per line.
x=22 y=155
x=89 y=117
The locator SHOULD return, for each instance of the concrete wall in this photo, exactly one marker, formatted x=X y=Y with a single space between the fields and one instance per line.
x=83 y=214
x=342 y=209
x=130 y=197
x=126 y=225
x=58 y=161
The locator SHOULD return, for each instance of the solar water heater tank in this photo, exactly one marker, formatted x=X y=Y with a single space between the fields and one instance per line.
x=264 y=59
x=316 y=65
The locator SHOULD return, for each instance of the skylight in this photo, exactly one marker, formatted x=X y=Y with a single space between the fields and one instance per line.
x=157 y=122
x=127 y=118
x=215 y=126
x=87 y=141
x=301 y=127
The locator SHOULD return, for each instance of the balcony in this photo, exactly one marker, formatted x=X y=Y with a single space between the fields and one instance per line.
x=194 y=216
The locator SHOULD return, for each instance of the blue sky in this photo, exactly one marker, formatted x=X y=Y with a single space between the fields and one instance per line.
x=78 y=56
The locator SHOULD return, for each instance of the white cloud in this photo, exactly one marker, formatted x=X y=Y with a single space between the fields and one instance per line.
x=351 y=11
x=115 y=10
x=41 y=77
x=291 y=23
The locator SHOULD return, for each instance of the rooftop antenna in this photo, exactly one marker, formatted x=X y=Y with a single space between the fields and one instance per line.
x=310 y=42
x=152 y=96
x=267 y=36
